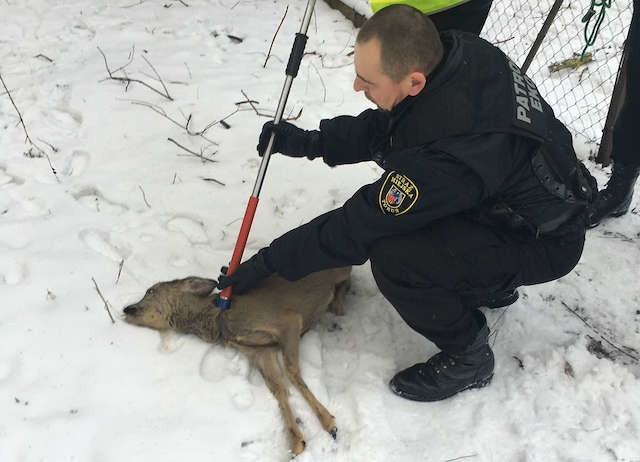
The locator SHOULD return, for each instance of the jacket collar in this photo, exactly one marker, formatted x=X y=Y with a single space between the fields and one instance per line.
x=451 y=60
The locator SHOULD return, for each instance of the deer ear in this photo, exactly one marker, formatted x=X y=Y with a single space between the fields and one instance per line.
x=200 y=286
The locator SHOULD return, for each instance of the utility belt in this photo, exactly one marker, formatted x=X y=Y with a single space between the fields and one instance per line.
x=570 y=182
x=499 y=215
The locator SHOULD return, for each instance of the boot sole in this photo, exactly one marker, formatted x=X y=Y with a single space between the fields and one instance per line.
x=479 y=384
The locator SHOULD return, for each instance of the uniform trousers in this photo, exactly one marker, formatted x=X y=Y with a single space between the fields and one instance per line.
x=430 y=276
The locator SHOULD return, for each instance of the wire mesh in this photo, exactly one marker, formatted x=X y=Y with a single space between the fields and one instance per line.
x=579 y=94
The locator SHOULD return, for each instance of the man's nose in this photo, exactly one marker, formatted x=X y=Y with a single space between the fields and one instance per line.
x=357 y=86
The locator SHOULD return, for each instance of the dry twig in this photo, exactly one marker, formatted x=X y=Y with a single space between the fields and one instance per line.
x=119 y=271
x=595 y=331
x=39 y=151
x=106 y=304
x=198 y=155
x=144 y=196
x=213 y=180
x=162 y=112
x=129 y=80
x=274 y=36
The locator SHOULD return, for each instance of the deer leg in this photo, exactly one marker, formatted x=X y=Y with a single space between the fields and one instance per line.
x=290 y=343
x=266 y=360
x=337 y=304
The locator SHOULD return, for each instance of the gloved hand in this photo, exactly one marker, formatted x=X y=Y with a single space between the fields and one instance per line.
x=290 y=140
x=247 y=275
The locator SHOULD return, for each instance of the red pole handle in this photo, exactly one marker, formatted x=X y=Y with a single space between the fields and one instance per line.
x=223 y=301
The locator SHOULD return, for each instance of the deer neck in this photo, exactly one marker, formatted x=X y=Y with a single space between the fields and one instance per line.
x=200 y=317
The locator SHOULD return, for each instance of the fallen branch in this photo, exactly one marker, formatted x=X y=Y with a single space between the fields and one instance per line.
x=144 y=196
x=106 y=304
x=24 y=127
x=198 y=155
x=159 y=110
x=264 y=114
x=119 y=271
x=461 y=458
x=128 y=80
x=595 y=331
x=39 y=151
x=213 y=180
x=45 y=57
x=274 y=37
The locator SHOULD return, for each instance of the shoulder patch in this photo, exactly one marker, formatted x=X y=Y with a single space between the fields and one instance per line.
x=397 y=194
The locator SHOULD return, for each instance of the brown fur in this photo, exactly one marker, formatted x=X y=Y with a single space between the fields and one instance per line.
x=267 y=320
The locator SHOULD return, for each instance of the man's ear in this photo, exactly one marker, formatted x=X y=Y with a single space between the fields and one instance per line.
x=416 y=82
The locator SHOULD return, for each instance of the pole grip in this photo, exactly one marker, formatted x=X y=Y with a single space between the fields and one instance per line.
x=296 y=54
x=223 y=301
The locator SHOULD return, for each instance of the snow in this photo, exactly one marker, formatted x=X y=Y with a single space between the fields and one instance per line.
x=128 y=208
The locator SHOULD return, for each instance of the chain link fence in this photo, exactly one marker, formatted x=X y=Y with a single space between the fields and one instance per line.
x=579 y=92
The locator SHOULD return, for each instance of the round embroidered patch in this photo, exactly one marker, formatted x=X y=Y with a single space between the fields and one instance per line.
x=397 y=194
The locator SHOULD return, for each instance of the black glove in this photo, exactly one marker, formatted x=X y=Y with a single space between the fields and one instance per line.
x=290 y=140
x=247 y=274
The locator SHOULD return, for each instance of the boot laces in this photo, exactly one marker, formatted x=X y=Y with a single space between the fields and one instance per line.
x=441 y=362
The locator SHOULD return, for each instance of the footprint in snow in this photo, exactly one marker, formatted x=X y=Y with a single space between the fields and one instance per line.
x=93 y=199
x=98 y=241
x=194 y=230
x=12 y=272
x=6 y=178
x=77 y=164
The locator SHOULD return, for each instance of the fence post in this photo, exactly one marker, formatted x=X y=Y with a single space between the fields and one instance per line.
x=617 y=99
x=541 y=35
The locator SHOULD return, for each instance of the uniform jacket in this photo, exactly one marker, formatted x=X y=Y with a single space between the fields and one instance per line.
x=463 y=145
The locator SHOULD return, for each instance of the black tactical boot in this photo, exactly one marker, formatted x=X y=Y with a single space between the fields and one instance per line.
x=495 y=300
x=445 y=374
x=615 y=199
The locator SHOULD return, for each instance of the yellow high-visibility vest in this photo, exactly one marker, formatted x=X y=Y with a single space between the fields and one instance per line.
x=426 y=6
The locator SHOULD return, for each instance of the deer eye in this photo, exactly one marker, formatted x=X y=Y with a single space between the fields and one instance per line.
x=151 y=291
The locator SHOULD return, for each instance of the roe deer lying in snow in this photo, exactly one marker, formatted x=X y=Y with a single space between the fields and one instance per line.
x=268 y=319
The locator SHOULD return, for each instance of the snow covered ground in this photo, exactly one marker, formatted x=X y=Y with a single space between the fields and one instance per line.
x=126 y=208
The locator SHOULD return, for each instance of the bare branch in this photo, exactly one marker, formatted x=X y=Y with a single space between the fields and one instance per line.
x=157 y=75
x=461 y=458
x=144 y=196
x=24 y=127
x=264 y=114
x=39 y=151
x=251 y=103
x=46 y=58
x=274 y=36
x=162 y=112
x=213 y=180
x=128 y=80
x=198 y=155
x=106 y=304
x=119 y=271
x=586 y=323
x=135 y=4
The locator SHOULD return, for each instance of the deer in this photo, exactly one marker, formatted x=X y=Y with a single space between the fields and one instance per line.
x=265 y=323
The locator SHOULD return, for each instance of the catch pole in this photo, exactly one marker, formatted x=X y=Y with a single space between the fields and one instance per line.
x=224 y=300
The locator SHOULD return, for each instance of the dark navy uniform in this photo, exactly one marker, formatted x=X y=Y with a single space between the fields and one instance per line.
x=481 y=192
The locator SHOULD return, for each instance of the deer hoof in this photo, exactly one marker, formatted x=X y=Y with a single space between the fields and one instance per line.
x=297 y=448
x=334 y=432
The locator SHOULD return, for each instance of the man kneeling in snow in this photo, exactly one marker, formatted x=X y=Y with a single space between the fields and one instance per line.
x=481 y=192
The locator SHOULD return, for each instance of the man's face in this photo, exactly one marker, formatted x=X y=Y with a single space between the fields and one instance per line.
x=377 y=87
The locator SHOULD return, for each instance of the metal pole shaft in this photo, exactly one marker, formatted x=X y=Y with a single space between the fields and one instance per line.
x=292 y=71
x=223 y=301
